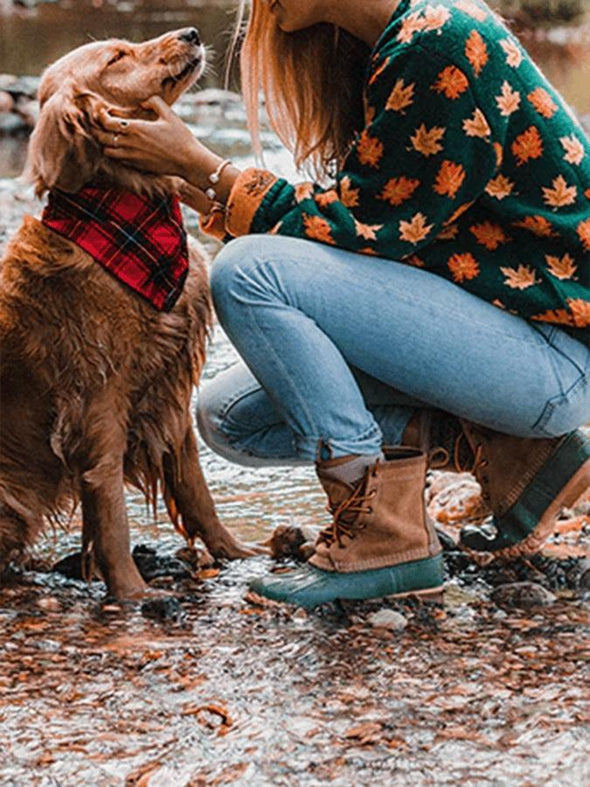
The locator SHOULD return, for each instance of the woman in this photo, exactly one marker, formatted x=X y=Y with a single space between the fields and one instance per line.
x=435 y=283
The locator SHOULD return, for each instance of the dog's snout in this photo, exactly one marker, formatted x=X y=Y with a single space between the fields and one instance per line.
x=190 y=36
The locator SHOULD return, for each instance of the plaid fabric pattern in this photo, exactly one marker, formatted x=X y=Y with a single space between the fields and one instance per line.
x=140 y=241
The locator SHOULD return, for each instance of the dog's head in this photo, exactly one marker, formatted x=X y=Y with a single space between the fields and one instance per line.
x=62 y=151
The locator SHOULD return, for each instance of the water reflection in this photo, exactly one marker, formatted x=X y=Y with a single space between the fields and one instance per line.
x=32 y=39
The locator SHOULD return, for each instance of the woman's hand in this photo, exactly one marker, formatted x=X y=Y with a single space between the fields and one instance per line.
x=163 y=146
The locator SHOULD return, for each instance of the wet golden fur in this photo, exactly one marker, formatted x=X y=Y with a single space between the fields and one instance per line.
x=95 y=383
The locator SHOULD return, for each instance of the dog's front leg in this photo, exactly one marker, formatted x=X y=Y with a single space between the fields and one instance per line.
x=187 y=489
x=106 y=531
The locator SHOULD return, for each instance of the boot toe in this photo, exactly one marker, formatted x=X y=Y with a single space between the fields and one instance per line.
x=486 y=538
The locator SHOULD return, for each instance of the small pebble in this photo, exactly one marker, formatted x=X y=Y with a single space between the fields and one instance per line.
x=49 y=604
x=387 y=619
x=523 y=595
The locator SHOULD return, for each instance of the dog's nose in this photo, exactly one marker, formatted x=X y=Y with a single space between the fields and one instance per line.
x=190 y=36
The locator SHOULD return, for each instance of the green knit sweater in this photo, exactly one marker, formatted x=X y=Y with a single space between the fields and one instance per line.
x=470 y=165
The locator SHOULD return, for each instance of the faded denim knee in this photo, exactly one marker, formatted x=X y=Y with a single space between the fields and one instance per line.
x=233 y=283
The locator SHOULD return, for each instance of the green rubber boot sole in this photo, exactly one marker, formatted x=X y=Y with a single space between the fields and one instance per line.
x=523 y=529
x=309 y=587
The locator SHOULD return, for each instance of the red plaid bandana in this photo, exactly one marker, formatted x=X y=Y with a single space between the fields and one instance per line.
x=140 y=241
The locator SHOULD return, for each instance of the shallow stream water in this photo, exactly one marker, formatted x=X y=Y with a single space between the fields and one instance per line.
x=237 y=691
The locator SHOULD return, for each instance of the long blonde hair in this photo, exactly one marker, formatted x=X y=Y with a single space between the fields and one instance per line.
x=312 y=83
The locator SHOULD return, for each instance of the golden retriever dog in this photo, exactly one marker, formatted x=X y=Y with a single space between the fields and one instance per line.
x=95 y=382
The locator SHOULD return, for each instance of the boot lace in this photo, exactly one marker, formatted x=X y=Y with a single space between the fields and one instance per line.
x=345 y=515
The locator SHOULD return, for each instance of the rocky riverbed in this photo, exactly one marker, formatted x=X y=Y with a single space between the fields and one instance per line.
x=491 y=687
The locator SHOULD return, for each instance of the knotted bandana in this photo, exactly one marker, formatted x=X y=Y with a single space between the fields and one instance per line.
x=139 y=240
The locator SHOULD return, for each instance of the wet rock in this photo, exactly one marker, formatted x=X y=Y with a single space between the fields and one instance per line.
x=388 y=619
x=446 y=541
x=69 y=566
x=6 y=102
x=153 y=566
x=49 y=604
x=523 y=595
x=27 y=109
x=214 y=97
x=584 y=578
x=11 y=124
x=291 y=542
x=162 y=608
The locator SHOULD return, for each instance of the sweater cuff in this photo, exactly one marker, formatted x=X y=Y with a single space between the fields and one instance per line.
x=247 y=194
x=213 y=224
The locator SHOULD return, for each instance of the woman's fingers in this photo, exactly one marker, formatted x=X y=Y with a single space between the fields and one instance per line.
x=111 y=122
x=158 y=106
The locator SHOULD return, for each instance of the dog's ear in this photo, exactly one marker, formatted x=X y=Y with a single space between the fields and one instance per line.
x=62 y=153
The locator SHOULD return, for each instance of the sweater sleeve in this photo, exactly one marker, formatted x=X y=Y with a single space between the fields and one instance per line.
x=424 y=156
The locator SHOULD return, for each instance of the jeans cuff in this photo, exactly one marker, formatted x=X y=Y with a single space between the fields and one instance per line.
x=321 y=449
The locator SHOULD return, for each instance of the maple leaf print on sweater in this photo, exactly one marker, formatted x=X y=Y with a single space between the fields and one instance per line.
x=470 y=166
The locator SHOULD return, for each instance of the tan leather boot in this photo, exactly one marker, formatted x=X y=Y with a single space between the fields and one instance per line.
x=382 y=521
x=380 y=543
x=526 y=482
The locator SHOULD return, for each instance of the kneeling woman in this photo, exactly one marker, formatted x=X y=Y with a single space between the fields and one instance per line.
x=431 y=291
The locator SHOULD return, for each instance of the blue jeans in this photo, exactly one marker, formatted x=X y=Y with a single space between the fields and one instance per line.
x=340 y=349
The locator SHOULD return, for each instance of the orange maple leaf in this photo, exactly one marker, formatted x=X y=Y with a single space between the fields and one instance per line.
x=463 y=267
x=560 y=194
x=476 y=52
x=415 y=230
x=414 y=260
x=449 y=179
x=583 y=230
x=561 y=267
x=474 y=11
x=513 y=52
x=574 y=150
x=538 y=225
x=509 y=100
x=452 y=82
x=527 y=145
x=489 y=235
x=477 y=126
x=370 y=113
x=410 y=25
x=580 y=311
x=368 y=250
x=499 y=187
x=401 y=96
x=367 y=231
x=558 y=316
x=519 y=278
x=542 y=102
x=348 y=195
x=378 y=71
x=427 y=141
x=318 y=228
x=435 y=17
x=326 y=198
x=303 y=191
x=398 y=190
x=587 y=193
x=369 y=150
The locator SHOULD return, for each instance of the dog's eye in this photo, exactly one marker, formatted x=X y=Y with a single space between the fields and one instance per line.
x=116 y=57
